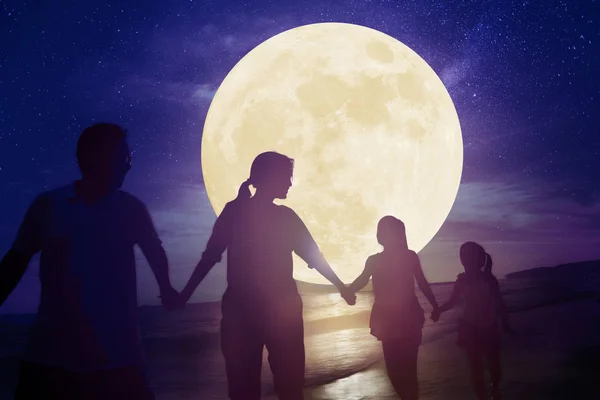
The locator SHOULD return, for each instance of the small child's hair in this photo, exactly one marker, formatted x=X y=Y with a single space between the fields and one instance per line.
x=473 y=253
x=487 y=267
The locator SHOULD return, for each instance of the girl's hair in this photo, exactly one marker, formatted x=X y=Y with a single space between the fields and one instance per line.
x=473 y=254
x=391 y=232
x=264 y=167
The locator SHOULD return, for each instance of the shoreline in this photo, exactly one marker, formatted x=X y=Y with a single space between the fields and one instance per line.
x=554 y=356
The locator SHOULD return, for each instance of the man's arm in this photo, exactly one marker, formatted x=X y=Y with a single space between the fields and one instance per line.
x=12 y=268
x=27 y=243
x=363 y=278
x=151 y=246
x=216 y=246
x=422 y=282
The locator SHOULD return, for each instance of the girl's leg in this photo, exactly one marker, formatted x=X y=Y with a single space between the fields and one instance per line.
x=409 y=355
x=476 y=364
x=393 y=364
x=401 y=362
x=495 y=371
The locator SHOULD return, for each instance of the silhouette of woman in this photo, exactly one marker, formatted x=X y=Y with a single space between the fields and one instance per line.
x=262 y=306
x=397 y=317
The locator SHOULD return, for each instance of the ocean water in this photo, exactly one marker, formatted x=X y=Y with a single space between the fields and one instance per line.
x=184 y=360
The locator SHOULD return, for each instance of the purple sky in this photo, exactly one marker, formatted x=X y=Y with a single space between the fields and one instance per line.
x=526 y=91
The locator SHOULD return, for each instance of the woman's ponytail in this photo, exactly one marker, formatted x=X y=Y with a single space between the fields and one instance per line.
x=244 y=191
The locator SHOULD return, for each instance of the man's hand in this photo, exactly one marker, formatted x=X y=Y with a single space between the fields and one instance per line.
x=171 y=299
x=348 y=295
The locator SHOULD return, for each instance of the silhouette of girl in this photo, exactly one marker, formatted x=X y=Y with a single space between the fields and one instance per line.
x=262 y=306
x=482 y=302
x=397 y=317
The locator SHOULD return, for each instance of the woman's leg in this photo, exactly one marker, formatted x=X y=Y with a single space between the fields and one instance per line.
x=285 y=345
x=242 y=349
x=476 y=365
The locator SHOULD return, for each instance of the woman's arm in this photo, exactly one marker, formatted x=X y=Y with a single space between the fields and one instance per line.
x=216 y=246
x=423 y=284
x=363 y=278
x=305 y=246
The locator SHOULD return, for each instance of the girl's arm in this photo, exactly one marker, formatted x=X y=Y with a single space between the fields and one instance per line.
x=363 y=278
x=456 y=291
x=502 y=309
x=423 y=284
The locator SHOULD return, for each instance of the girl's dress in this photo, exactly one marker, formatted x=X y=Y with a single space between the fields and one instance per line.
x=478 y=327
x=396 y=312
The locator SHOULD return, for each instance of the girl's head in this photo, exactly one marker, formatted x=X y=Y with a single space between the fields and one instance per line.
x=474 y=258
x=391 y=233
x=271 y=174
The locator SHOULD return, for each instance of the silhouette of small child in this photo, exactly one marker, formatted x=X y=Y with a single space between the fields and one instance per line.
x=482 y=303
x=397 y=317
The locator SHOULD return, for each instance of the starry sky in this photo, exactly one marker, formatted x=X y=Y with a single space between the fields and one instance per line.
x=523 y=76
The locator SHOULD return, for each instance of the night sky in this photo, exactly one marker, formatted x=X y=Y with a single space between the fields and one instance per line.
x=524 y=77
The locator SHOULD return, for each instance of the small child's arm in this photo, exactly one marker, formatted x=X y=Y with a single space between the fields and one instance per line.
x=502 y=309
x=448 y=305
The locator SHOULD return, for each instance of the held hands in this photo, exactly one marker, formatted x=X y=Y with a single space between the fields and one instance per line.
x=348 y=295
x=170 y=298
x=435 y=314
x=173 y=300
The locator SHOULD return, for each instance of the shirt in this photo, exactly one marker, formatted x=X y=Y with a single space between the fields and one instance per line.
x=478 y=299
x=87 y=318
x=396 y=309
x=259 y=239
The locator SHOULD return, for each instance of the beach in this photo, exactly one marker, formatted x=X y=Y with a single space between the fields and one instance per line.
x=553 y=356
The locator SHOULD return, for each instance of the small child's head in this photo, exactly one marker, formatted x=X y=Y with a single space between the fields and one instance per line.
x=474 y=258
x=391 y=233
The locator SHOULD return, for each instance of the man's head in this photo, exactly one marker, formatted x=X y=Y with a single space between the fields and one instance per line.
x=103 y=154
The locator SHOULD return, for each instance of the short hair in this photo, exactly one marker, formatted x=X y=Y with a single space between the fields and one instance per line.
x=97 y=143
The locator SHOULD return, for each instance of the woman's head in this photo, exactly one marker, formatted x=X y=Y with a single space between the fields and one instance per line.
x=474 y=258
x=391 y=233
x=271 y=173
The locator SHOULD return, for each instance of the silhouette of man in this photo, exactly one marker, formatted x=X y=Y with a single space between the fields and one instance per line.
x=85 y=342
x=262 y=306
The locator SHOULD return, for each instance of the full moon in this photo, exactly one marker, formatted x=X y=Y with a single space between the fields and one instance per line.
x=370 y=125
